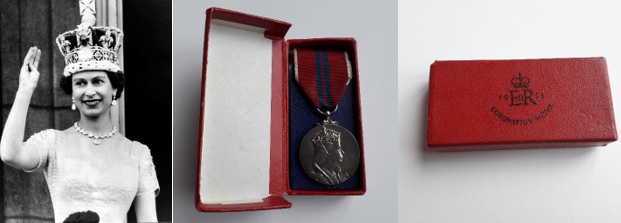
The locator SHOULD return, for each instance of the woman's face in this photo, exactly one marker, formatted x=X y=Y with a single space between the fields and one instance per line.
x=92 y=92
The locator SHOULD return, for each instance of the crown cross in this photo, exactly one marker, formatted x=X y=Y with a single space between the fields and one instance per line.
x=87 y=6
x=520 y=81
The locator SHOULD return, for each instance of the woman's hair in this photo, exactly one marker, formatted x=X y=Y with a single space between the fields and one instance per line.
x=117 y=79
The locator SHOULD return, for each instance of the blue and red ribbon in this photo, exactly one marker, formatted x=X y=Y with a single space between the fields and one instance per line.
x=323 y=75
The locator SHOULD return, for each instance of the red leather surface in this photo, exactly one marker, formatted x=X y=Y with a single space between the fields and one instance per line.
x=348 y=44
x=271 y=202
x=275 y=30
x=509 y=104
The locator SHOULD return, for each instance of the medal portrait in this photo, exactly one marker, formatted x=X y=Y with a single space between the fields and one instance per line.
x=328 y=157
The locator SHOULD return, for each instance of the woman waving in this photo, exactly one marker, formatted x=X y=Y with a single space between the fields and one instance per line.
x=89 y=166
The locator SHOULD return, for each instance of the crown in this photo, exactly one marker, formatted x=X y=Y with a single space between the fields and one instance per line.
x=326 y=136
x=90 y=47
x=520 y=81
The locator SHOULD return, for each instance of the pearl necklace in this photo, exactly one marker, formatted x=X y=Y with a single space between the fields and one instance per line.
x=96 y=138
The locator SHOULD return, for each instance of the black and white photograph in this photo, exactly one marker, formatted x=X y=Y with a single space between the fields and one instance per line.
x=86 y=111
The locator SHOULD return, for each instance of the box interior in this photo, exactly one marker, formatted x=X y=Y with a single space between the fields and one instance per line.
x=235 y=164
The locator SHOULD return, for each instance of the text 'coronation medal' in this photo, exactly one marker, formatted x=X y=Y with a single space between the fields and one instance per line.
x=329 y=153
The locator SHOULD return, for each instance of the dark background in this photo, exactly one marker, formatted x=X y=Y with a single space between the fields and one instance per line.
x=148 y=105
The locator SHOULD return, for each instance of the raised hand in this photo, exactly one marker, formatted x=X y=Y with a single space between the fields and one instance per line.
x=29 y=75
x=12 y=149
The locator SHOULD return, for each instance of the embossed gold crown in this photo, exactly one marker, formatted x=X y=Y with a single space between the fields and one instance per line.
x=520 y=81
x=90 y=47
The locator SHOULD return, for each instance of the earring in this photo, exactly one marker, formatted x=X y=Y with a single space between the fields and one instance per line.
x=113 y=100
x=73 y=104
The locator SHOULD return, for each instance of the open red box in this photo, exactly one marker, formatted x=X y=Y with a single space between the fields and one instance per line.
x=247 y=136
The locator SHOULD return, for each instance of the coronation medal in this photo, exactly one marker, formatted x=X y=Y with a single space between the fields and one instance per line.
x=329 y=153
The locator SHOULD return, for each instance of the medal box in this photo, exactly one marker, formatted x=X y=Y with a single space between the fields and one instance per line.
x=513 y=104
x=254 y=116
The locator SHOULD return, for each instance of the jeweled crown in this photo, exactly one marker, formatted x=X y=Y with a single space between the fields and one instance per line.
x=520 y=81
x=90 y=47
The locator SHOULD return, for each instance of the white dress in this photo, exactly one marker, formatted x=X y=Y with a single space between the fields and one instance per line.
x=104 y=179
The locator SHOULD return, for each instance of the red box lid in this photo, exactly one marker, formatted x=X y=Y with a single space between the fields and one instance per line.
x=508 y=104
x=274 y=30
x=279 y=126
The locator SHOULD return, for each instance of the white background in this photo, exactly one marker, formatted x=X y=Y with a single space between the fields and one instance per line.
x=374 y=25
x=549 y=185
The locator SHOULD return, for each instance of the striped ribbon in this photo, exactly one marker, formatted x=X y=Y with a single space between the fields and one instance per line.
x=323 y=75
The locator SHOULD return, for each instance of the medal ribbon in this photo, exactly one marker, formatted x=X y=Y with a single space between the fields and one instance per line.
x=323 y=75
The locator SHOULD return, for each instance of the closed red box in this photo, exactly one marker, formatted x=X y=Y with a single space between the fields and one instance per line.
x=245 y=161
x=509 y=104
